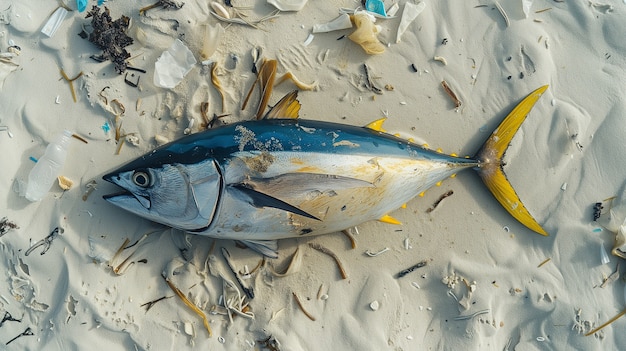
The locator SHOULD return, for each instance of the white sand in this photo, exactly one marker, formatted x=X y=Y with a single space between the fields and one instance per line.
x=72 y=301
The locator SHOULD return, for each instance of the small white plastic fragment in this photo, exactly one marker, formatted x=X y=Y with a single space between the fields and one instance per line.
x=374 y=305
x=526 y=4
x=288 y=5
x=308 y=40
x=409 y=14
x=189 y=329
x=54 y=22
x=339 y=23
x=219 y=9
x=393 y=9
x=564 y=186
x=604 y=256
x=173 y=64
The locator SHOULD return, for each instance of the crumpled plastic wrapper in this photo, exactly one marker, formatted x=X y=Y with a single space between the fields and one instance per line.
x=173 y=65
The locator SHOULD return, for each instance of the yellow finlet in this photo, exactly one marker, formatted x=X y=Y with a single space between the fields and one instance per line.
x=287 y=107
x=491 y=157
x=389 y=220
x=377 y=125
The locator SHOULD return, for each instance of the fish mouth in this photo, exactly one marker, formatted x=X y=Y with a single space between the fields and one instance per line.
x=124 y=198
x=127 y=200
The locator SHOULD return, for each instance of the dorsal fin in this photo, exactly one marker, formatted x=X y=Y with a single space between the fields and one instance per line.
x=287 y=107
x=377 y=125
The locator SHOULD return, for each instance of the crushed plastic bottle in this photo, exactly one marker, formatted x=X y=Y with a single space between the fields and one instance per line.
x=47 y=168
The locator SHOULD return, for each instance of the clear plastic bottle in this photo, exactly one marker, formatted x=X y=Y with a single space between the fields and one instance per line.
x=48 y=168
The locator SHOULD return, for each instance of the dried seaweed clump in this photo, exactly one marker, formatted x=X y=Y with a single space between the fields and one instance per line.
x=110 y=36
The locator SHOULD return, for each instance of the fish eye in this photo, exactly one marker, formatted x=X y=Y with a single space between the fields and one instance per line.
x=141 y=179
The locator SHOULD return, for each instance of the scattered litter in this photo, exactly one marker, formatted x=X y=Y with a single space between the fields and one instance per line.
x=451 y=94
x=339 y=23
x=415 y=285
x=441 y=59
x=392 y=10
x=32 y=159
x=436 y=203
x=526 y=5
x=299 y=303
x=189 y=304
x=247 y=290
x=597 y=230
x=409 y=14
x=90 y=187
x=607 y=323
x=218 y=85
x=81 y=5
x=173 y=64
x=65 y=183
x=504 y=15
x=604 y=256
x=219 y=9
x=348 y=233
x=54 y=22
x=411 y=269
x=288 y=5
x=5 y=227
x=376 y=6
x=407 y=244
x=544 y=262
x=326 y=251
x=460 y=318
x=374 y=305
x=374 y=254
x=365 y=33
x=48 y=168
x=70 y=81
x=308 y=40
x=210 y=40
x=564 y=186
x=369 y=84
x=45 y=242
x=27 y=332
x=611 y=278
x=164 y=4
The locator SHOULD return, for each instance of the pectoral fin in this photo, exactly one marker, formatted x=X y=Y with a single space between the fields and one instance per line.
x=259 y=199
x=268 y=248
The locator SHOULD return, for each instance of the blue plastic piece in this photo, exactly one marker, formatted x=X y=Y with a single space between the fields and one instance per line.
x=100 y=2
x=376 y=6
x=106 y=127
x=82 y=5
x=32 y=159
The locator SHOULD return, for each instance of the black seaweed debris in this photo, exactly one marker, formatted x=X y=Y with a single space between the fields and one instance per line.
x=110 y=36
x=5 y=226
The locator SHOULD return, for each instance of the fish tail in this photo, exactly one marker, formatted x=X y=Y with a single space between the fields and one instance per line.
x=490 y=157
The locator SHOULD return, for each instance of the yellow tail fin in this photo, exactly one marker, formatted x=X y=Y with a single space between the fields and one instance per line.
x=491 y=162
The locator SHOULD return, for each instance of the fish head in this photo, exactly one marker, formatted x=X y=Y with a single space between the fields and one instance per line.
x=180 y=195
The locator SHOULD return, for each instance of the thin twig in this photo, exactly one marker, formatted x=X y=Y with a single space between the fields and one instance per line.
x=607 y=323
x=326 y=251
x=431 y=209
x=306 y=313
x=71 y=82
x=451 y=94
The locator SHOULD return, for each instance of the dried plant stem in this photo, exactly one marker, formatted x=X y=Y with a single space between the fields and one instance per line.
x=544 y=262
x=306 y=313
x=71 y=82
x=451 y=94
x=607 y=323
x=189 y=304
x=326 y=251
x=217 y=84
x=350 y=237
